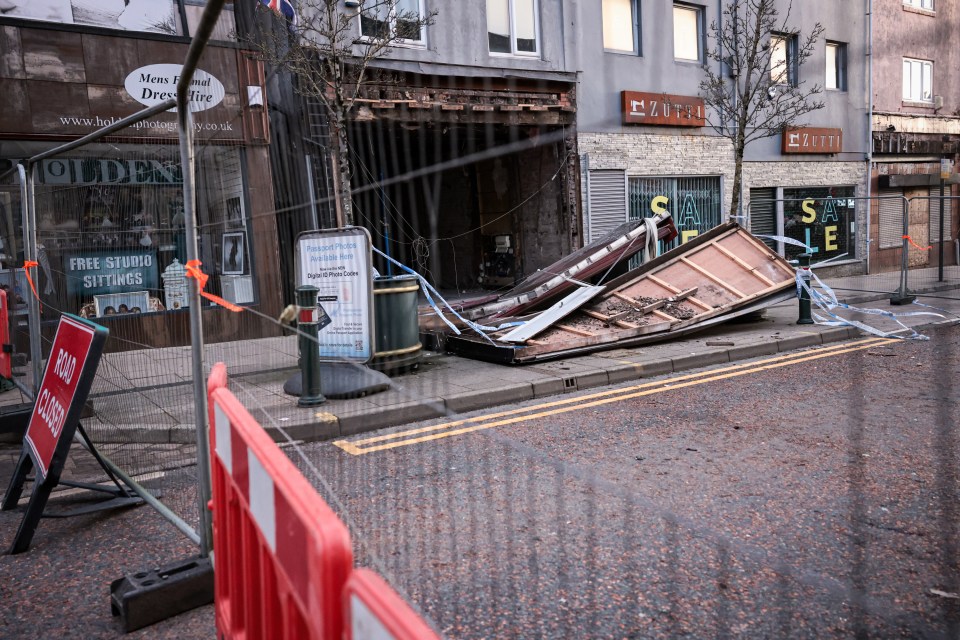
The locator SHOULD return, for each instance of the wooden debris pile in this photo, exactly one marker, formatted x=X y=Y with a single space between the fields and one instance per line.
x=716 y=276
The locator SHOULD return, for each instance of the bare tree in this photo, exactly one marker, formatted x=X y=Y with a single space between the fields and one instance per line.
x=762 y=55
x=331 y=56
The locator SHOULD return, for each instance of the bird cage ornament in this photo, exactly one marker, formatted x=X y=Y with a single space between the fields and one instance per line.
x=175 y=286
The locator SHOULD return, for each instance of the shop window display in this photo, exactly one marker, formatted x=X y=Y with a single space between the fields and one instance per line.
x=823 y=218
x=111 y=227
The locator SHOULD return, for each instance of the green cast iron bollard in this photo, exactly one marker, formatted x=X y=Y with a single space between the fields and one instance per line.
x=310 y=394
x=805 y=317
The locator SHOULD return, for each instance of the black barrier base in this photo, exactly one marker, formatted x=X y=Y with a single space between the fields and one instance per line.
x=121 y=498
x=147 y=597
x=901 y=300
x=14 y=420
x=342 y=381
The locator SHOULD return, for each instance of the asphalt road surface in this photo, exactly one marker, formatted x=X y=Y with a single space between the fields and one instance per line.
x=807 y=495
x=812 y=494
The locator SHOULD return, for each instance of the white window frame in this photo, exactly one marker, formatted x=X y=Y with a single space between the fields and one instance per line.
x=910 y=67
x=698 y=10
x=634 y=28
x=392 y=19
x=788 y=76
x=839 y=66
x=921 y=4
x=511 y=7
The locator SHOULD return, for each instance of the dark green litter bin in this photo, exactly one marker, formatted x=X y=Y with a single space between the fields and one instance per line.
x=397 y=346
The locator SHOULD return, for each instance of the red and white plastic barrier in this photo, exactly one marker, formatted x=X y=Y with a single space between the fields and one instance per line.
x=6 y=351
x=374 y=610
x=283 y=559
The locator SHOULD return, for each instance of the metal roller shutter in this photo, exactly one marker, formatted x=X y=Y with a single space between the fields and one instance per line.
x=608 y=202
x=935 y=216
x=891 y=218
x=763 y=214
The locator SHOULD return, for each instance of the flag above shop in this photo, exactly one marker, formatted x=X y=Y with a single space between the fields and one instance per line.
x=282 y=7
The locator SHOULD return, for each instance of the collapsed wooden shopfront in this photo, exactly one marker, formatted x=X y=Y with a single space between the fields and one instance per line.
x=110 y=214
x=481 y=174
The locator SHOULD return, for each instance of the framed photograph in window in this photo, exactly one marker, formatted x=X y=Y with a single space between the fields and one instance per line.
x=233 y=249
x=234 y=211
x=118 y=304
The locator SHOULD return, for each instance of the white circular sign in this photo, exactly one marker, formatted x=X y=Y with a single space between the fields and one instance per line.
x=155 y=83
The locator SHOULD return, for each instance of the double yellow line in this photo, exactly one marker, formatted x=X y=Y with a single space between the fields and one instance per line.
x=556 y=407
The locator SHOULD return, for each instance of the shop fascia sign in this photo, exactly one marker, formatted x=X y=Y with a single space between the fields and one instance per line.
x=110 y=171
x=663 y=109
x=156 y=83
x=812 y=140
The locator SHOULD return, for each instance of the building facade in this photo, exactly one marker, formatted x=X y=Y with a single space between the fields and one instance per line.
x=463 y=140
x=110 y=223
x=916 y=124
x=648 y=142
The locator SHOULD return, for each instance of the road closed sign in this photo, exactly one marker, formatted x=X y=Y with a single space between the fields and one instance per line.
x=66 y=382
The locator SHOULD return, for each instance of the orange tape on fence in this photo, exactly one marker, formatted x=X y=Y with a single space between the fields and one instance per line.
x=910 y=240
x=193 y=271
x=27 y=265
x=283 y=556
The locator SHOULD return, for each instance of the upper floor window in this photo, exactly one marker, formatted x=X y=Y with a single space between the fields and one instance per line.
x=783 y=59
x=687 y=32
x=399 y=19
x=621 y=28
x=512 y=27
x=917 y=80
x=920 y=4
x=836 y=66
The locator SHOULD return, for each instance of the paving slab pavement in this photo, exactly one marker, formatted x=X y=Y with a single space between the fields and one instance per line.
x=446 y=384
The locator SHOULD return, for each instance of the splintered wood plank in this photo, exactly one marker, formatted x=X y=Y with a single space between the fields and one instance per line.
x=749 y=268
x=576 y=332
x=614 y=319
x=692 y=298
x=554 y=341
x=605 y=318
x=646 y=308
x=627 y=299
x=683 y=277
x=663 y=284
x=707 y=274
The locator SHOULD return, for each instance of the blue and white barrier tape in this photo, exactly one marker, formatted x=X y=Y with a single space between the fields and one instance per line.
x=827 y=301
x=786 y=240
x=427 y=288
